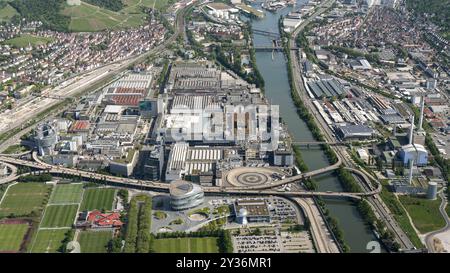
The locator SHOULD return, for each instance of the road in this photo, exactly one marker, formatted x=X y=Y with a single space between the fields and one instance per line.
x=375 y=201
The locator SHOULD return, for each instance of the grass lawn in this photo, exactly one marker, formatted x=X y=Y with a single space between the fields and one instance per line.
x=160 y=215
x=67 y=193
x=94 y=241
x=186 y=245
x=11 y=236
x=399 y=215
x=15 y=149
x=59 y=216
x=23 y=198
x=48 y=240
x=6 y=13
x=25 y=39
x=424 y=213
x=98 y=198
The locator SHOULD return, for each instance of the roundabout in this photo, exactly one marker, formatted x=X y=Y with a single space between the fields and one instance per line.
x=249 y=176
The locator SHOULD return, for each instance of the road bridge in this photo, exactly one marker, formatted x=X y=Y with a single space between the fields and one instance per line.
x=158 y=186
x=266 y=33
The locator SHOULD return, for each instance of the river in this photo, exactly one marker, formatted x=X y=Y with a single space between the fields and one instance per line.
x=273 y=68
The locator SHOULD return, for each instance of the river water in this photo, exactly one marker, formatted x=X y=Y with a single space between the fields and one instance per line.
x=273 y=68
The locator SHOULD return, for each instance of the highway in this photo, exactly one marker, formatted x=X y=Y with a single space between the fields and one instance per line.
x=158 y=186
x=375 y=201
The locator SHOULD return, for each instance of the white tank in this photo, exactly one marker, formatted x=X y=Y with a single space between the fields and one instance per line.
x=432 y=190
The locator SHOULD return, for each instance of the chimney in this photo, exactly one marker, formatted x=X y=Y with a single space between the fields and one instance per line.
x=411 y=130
x=411 y=164
x=422 y=105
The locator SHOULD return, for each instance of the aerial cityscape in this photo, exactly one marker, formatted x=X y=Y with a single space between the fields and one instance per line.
x=224 y=126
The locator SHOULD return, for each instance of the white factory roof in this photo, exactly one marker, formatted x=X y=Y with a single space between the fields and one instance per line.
x=177 y=157
x=113 y=109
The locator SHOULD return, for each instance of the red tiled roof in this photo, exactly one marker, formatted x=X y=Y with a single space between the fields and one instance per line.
x=130 y=100
x=98 y=218
x=80 y=125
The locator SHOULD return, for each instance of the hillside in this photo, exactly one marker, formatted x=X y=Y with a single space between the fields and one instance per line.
x=90 y=16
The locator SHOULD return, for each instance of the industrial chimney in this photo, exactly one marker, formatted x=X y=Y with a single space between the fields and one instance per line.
x=411 y=130
x=422 y=106
x=411 y=164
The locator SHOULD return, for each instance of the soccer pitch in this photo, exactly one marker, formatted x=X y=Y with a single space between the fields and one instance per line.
x=59 y=216
x=11 y=236
x=23 y=198
x=186 y=245
x=67 y=193
x=94 y=241
x=48 y=240
x=98 y=198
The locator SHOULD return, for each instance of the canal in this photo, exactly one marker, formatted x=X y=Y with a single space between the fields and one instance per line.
x=273 y=68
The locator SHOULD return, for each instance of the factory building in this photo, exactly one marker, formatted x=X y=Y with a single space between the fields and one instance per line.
x=326 y=88
x=283 y=158
x=415 y=152
x=185 y=195
x=45 y=138
x=354 y=132
x=254 y=210
x=177 y=161
x=125 y=166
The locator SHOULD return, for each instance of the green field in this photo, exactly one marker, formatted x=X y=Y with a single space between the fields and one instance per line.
x=67 y=193
x=186 y=245
x=94 y=241
x=15 y=149
x=23 y=198
x=424 y=213
x=6 y=13
x=59 y=216
x=48 y=240
x=11 y=236
x=98 y=198
x=88 y=18
x=399 y=214
x=25 y=39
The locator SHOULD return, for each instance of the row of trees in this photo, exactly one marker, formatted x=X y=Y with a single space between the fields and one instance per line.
x=137 y=238
x=224 y=237
x=348 y=181
x=114 y=5
x=369 y=216
x=35 y=178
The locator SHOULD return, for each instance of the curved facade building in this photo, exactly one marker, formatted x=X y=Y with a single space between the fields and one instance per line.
x=185 y=195
x=45 y=138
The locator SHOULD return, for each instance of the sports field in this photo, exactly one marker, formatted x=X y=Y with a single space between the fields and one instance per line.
x=98 y=198
x=66 y=193
x=94 y=241
x=59 y=216
x=11 y=236
x=23 y=198
x=48 y=240
x=186 y=245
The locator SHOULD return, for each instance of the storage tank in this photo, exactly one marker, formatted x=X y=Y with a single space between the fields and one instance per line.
x=432 y=190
